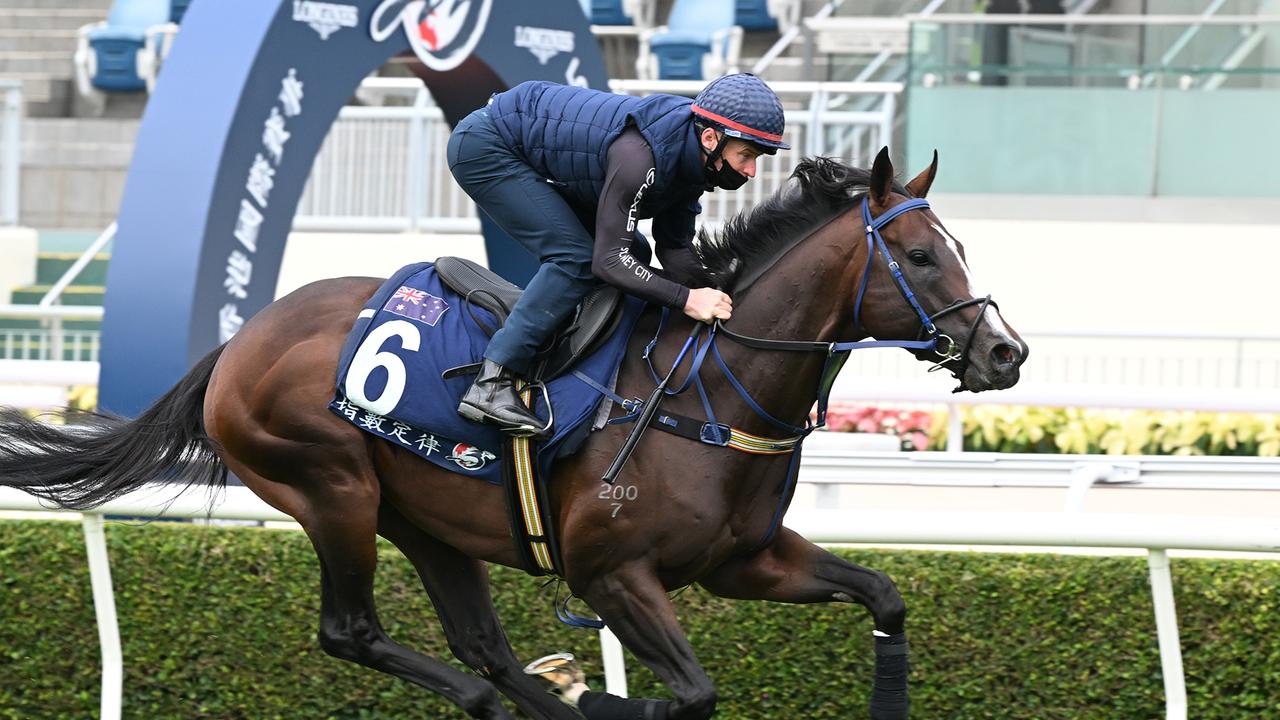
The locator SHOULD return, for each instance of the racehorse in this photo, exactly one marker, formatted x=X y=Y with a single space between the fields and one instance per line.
x=811 y=264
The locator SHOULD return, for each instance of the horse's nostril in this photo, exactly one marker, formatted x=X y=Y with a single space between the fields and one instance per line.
x=1004 y=355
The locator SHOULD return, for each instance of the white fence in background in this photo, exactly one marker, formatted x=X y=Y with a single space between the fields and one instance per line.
x=1129 y=358
x=39 y=343
x=383 y=168
x=1154 y=533
x=1120 y=370
x=49 y=342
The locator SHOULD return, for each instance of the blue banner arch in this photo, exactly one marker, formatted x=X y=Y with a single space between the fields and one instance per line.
x=242 y=106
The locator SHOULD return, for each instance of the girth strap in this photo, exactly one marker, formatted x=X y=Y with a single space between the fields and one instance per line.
x=722 y=435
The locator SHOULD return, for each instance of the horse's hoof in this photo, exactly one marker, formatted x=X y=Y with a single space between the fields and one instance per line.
x=559 y=669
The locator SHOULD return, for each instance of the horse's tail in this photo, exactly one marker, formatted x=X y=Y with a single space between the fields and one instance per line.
x=102 y=457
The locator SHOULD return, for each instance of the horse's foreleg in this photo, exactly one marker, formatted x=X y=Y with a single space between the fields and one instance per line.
x=341 y=524
x=459 y=590
x=794 y=570
x=634 y=604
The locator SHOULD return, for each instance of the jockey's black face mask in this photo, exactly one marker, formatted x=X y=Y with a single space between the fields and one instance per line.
x=725 y=176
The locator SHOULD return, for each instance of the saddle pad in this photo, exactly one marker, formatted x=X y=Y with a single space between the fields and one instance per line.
x=414 y=328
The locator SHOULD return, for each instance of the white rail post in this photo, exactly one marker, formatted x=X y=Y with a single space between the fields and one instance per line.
x=11 y=162
x=615 y=667
x=1175 y=689
x=888 y=109
x=416 y=178
x=104 y=605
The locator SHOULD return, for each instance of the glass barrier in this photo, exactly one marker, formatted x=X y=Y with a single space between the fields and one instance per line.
x=1150 y=108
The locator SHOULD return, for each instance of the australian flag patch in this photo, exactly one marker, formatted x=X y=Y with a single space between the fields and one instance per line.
x=417 y=305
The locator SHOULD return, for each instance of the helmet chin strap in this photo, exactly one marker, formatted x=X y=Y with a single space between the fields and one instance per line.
x=712 y=156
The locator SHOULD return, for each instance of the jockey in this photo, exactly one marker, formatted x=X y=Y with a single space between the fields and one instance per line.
x=568 y=171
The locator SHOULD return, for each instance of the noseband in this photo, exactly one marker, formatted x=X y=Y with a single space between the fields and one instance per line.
x=942 y=344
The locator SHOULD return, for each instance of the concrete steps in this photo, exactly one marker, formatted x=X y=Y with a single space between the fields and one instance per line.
x=43 y=5
x=36 y=46
x=58 y=251
x=46 y=18
x=50 y=267
x=84 y=295
x=36 y=63
x=60 y=39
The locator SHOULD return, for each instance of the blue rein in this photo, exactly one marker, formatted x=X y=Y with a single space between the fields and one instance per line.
x=837 y=352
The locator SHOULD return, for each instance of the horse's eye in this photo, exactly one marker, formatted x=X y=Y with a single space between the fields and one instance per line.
x=919 y=257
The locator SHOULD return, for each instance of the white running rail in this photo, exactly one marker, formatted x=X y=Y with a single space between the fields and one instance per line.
x=1154 y=533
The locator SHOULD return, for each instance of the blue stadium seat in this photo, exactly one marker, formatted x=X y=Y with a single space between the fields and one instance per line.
x=695 y=30
x=754 y=15
x=178 y=10
x=621 y=14
x=115 y=44
x=607 y=12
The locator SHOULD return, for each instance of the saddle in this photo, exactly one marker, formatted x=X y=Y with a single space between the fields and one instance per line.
x=593 y=322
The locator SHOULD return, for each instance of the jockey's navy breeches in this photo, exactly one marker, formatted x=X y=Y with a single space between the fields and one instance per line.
x=535 y=215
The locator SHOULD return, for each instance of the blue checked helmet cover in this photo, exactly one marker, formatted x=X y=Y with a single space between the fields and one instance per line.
x=744 y=107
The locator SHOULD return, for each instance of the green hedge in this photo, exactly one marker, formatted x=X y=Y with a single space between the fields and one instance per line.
x=220 y=623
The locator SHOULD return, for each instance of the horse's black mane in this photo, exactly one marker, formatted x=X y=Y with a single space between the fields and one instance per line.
x=819 y=188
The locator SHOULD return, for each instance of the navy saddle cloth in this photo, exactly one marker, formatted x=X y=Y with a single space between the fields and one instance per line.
x=413 y=329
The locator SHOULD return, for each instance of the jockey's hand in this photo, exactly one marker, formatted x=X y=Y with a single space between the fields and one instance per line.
x=708 y=304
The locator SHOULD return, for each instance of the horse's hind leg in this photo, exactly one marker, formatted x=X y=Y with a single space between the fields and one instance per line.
x=794 y=570
x=459 y=590
x=341 y=520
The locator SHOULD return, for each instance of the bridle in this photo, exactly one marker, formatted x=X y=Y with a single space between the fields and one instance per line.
x=713 y=432
x=928 y=326
x=928 y=338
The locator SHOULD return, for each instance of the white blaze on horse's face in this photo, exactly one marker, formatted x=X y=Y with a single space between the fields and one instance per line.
x=992 y=318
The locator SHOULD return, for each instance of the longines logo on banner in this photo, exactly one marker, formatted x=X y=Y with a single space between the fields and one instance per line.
x=544 y=43
x=325 y=18
x=442 y=33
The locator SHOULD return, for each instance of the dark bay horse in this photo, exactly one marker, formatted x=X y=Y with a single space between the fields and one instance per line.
x=801 y=266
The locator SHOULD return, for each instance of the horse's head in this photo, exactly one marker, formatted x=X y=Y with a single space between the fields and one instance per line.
x=916 y=285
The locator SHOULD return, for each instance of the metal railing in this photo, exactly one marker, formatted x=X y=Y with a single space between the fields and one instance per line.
x=50 y=342
x=1124 y=358
x=10 y=150
x=789 y=36
x=1125 y=369
x=1154 y=533
x=1105 y=50
x=47 y=344
x=383 y=168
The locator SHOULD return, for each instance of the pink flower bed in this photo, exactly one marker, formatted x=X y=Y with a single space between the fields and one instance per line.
x=912 y=426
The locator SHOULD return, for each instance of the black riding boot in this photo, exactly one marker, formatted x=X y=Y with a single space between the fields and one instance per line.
x=492 y=399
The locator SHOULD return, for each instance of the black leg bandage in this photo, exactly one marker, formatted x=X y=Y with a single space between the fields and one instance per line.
x=603 y=706
x=889 y=695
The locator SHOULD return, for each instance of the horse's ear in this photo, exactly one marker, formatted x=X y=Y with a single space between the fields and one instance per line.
x=881 y=177
x=919 y=185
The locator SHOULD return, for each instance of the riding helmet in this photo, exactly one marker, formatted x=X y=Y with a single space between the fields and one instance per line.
x=744 y=107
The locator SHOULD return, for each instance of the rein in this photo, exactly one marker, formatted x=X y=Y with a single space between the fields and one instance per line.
x=711 y=432
x=929 y=338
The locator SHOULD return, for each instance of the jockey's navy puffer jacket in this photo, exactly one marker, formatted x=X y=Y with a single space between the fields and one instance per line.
x=564 y=134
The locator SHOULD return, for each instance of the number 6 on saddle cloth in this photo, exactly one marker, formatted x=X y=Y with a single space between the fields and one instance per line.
x=404 y=368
